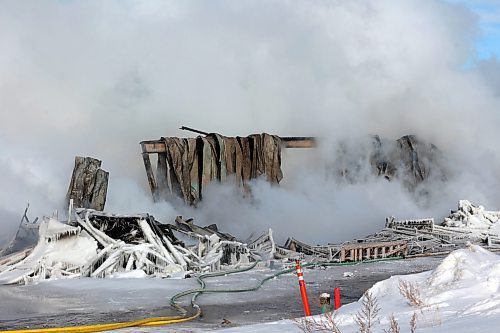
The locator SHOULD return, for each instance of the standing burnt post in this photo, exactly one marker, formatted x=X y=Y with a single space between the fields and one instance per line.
x=89 y=184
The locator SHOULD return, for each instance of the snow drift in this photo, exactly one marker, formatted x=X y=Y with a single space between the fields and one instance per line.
x=460 y=295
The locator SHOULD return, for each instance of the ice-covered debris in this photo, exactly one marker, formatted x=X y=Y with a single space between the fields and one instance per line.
x=98 y=244
x=54 y=230
x=25 y=237
x=61 y=252
x=471 y=216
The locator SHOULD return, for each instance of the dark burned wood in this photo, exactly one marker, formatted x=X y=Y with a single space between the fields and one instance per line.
x=89 y=184
x=158 y=146
x=185 y=128
x=149 y=173
x=127 y=229
x=298 y=141
x=186 y=165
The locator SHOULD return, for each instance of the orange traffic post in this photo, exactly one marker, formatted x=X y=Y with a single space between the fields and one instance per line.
x=302 y=285
x=336 y=296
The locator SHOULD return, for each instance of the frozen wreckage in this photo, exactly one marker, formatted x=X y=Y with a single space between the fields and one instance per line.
x=97 y=244
x=401 y=238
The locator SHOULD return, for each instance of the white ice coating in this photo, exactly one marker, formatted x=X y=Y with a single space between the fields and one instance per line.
x=475 y=220
x=65 y=251
x=61 y=252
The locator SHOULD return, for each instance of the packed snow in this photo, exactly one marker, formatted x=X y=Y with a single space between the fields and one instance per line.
x=461 y=295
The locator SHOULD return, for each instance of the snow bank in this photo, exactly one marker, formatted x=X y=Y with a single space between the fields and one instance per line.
x=462 y=294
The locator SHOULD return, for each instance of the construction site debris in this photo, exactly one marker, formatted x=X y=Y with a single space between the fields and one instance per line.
x=89 y=184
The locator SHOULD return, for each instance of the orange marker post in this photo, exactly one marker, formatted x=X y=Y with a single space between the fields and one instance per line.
x=336 y=296
x=302 y=285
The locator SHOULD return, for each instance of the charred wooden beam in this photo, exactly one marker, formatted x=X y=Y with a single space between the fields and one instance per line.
x=158 y=146
x=149 y=172
x=298 y=142
x=185 y=128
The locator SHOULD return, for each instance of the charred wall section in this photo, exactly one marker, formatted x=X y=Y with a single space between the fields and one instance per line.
x=186 y=165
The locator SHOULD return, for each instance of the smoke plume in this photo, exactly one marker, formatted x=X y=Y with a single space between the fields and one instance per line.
x=95 y=78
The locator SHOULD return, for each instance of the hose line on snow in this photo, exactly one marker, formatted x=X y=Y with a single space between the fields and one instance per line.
x=156 y=321
x=153 y=321
x=259 y=284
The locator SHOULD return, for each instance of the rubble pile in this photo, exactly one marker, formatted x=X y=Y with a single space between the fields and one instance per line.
x=468 y=224
x=97 y=244
x=473 y=217
x=26 y=235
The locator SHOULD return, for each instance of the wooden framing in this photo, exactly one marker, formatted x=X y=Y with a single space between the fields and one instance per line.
x=373 y=250
x=158 y=147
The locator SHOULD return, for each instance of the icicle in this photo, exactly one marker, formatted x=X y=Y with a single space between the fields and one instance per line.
x=175 y=253
x=130 y=263
x=153 y=239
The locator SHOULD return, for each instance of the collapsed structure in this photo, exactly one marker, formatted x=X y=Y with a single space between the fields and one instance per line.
x=189 y=164
x=468 y=224
x=26 y=235
x=97 y=244
x=186 y=165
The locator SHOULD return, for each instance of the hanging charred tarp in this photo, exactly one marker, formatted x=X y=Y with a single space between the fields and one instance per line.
x=187 y=165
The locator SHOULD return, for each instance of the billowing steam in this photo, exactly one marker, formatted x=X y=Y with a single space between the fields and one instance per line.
x=95 y=78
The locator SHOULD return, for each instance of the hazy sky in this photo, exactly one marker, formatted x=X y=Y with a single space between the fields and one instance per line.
x=488 y=11
x=94 y=78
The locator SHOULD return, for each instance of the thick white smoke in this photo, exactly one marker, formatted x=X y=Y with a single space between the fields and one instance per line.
x=95 y=78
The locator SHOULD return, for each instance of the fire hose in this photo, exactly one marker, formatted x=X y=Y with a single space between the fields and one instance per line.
x=153 y=321
x=157 y=321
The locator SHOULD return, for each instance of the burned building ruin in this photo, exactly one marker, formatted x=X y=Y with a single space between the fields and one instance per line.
x=186 y=165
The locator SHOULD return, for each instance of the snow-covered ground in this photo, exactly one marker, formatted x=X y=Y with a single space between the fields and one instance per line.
x=461 y=295
x=92 y=300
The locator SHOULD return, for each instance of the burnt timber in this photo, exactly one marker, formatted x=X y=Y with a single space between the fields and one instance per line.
x=158 y=146
x=160 y=185
x=371 y=250
x=89 y=184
